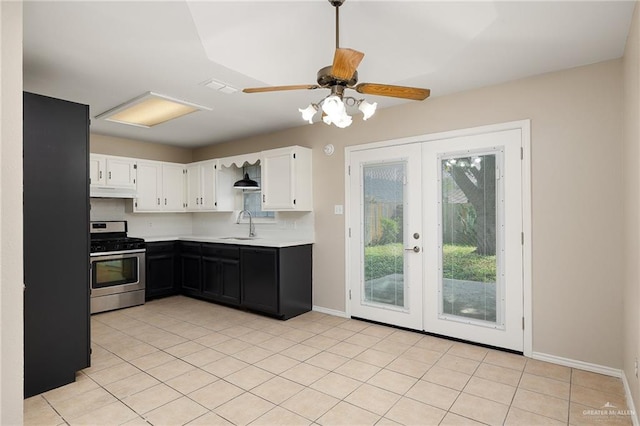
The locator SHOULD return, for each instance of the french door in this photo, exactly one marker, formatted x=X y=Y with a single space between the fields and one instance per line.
x=436 y=237
x=386 y=240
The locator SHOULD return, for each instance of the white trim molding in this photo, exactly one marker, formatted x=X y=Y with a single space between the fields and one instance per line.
x=581 y=365
x=328 y=311
x=594 y=368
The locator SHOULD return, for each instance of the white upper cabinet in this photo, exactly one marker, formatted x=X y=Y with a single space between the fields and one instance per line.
x=97 y=169
x=286 y=179
x=121 y=172
x=161 y=187
x=112 y=176
x=149 y=187
x=209 y=187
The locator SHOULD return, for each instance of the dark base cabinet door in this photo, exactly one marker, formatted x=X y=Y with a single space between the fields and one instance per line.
x=161 y=270
x=230 y=273
x=260 y=279
x=277 y=281
x=221 y=273
x=190 y=268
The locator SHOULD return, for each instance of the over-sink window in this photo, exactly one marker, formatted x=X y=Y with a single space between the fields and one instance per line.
x=252 y=199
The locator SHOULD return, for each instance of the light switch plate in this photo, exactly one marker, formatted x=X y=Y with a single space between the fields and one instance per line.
x=338 y=209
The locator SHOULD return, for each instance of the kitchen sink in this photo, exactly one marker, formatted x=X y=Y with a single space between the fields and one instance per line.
x=239 y=238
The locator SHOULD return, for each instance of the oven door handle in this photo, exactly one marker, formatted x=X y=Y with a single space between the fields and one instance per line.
x=115 y=253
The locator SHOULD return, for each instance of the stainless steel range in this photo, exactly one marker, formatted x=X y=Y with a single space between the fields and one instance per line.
x=117 y=267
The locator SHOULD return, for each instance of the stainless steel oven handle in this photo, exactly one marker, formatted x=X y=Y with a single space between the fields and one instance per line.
x=112 y=253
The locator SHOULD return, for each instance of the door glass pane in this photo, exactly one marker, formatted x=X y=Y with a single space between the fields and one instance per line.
x=468 y=226
x=383 y=233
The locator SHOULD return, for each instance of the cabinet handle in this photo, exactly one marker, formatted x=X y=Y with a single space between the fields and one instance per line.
x=100 y=176
x=196 y=201
x=109 y=175
x=165 y=201
x=200 y=200
x=263 y=198
x=158 y=201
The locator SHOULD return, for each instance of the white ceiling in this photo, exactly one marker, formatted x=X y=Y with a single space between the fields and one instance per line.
x=103 y=53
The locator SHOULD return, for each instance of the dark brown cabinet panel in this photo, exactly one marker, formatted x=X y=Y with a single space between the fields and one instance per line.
x=221 y=273
x=190 y=268
x=56 y=208
x=277 y=281
x=162 y=267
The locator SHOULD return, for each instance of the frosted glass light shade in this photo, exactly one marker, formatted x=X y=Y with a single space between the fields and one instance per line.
x=149 y=110
x=308 y=113
x=367 y=109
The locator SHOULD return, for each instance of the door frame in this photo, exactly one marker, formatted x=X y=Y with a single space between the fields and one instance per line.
x=525 y=127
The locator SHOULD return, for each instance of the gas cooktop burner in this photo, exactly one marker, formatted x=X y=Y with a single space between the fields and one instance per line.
x=112 y=236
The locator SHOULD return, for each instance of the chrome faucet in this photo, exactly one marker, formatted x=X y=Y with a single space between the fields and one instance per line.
x=252 y=229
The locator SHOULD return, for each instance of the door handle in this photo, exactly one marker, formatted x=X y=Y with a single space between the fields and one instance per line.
x=415 y=249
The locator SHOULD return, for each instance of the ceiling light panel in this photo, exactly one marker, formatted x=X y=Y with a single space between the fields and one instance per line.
x=150 y=110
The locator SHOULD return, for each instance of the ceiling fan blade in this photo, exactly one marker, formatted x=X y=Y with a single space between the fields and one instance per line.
x=345 y=63
x=404 y=92
x=280 y=88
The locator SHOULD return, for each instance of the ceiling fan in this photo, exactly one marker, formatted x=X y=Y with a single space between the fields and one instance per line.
x=341 y=75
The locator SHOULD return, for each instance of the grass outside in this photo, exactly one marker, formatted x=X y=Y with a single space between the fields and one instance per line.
x=459 y=262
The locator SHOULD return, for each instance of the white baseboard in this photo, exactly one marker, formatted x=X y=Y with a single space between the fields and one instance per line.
x=330 y=311
x=630 y=405
x=573 y=363
x=594 y=368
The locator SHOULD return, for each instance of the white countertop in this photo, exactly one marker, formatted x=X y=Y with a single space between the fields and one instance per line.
x=236 y=240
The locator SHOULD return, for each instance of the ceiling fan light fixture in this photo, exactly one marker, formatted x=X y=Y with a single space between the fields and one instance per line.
x=309 y=112
x=367 y=109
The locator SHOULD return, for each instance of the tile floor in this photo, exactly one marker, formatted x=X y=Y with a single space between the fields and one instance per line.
x=181 y=361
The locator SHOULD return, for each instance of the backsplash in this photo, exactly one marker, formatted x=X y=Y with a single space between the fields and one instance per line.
x=288 y=225
x=140 y=224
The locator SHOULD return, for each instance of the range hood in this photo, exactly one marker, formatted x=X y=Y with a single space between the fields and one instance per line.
x=112 y=192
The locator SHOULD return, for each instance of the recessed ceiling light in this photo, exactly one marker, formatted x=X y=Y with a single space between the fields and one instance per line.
x=149 y=110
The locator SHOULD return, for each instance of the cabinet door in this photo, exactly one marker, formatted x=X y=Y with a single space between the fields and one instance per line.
x=121 y=172
x=173 y=187
x=97 y=165
x=194 y=191
x=149 y=187
x=230 y=280
x=260 y=279
x=211 y=285
x=160 y=274
x=208 y=184
x=190 y=273
x=277 y=180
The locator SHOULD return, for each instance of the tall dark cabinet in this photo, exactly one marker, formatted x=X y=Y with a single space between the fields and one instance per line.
x=56 y=242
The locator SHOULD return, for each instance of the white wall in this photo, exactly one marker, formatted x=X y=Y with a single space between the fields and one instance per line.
x=11 y=264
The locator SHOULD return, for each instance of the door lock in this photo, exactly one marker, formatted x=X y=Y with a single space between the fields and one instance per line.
x=415 y=249
x=416 y=236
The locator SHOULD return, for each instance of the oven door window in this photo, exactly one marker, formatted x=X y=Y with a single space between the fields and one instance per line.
x=113 y=272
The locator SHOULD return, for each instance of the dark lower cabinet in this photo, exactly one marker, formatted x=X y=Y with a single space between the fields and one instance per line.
x=190 y=269
x=221 y=273
x=260 y=279
x=161 y=259
x=277 y=281
x=273 y=281
x=56 y=208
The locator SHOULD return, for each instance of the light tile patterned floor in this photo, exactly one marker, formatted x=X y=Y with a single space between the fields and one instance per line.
x=181 y=361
